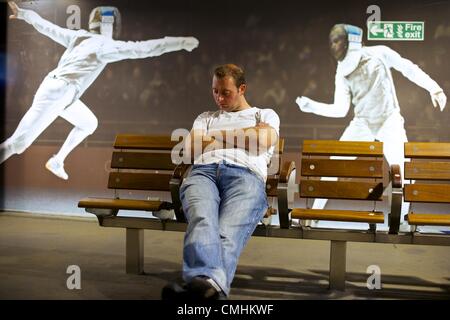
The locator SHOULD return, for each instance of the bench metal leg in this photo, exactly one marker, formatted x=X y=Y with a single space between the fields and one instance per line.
x=338 y=253
x=135 y=251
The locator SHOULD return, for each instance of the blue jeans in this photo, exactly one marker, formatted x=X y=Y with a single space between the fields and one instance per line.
x=223 y=204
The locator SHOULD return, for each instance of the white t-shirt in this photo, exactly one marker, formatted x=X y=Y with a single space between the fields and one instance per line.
x=222 y=120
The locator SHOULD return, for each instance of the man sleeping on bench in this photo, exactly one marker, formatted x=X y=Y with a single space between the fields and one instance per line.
x=223 y=196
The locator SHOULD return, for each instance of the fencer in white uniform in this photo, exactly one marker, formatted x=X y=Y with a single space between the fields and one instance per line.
x=86 y=56
x=363 y=78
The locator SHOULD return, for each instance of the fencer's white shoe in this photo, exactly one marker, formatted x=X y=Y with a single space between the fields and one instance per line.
x=57 y=168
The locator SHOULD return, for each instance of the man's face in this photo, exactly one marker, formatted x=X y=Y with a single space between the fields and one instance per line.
x=226 y=94
x=338 y=44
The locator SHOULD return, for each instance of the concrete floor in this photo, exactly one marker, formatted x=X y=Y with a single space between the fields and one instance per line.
x=35 y=252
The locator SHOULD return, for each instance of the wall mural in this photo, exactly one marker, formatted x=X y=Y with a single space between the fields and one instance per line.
x=79 y=72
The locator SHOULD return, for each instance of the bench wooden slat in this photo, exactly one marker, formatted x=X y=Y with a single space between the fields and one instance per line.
x=427 y=192
x=145 y=142
x=341 y=190
x=124 y=204
x=342 y=148
x=427 y=150
x=428 y=219
x=139 y=181
x=141 y=160
x=338 y=215
x=342 y=168
x=432 y=170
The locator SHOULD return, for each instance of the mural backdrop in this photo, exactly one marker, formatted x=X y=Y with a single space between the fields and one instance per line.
x=282 y=45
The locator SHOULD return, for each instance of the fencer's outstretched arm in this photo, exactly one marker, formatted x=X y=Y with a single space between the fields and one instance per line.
x=338 y=109
x=414 y=74
x=119 y=50
x=54 y=32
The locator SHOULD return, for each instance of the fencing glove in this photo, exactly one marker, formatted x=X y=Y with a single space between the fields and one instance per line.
x=439 y=98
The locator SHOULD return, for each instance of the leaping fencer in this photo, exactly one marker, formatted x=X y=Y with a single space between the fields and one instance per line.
x=87 y=54
x=363 y=78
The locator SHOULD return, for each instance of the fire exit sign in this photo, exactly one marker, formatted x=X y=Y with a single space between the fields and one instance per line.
x=396 y=30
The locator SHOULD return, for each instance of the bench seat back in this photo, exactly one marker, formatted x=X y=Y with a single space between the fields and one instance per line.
x=359 y=167
x=428 y=173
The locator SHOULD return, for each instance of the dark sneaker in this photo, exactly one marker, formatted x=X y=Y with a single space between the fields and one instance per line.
x=174 y=292
x=199 y=288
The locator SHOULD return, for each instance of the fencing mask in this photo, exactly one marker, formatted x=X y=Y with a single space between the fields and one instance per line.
x=106 y=21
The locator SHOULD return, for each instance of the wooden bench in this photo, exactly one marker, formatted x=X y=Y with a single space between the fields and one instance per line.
x=143 y=163
x=369 y=181
x=142 y=166
x=429 y=175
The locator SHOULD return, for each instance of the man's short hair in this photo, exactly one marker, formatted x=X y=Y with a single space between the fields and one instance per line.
x=231 y=70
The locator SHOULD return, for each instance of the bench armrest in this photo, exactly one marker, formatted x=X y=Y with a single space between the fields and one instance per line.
x=175 y=184
x=287 y=168
x=286 y=171
x=395 y=198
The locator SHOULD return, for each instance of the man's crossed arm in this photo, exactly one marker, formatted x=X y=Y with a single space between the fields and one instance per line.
x=255 y=140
